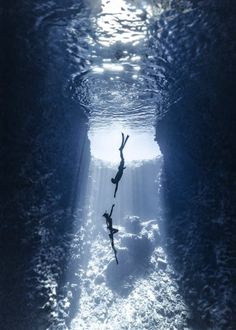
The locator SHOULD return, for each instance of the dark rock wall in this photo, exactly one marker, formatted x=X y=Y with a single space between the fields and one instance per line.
x=43 y=143
x=197 y=138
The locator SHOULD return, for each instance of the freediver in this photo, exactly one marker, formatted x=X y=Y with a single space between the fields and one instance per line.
x=121 y=167
x=111 y=229
x=109 y=222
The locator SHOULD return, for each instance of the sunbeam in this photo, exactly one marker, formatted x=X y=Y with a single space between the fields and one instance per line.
x=120 y=102
x=123 y=294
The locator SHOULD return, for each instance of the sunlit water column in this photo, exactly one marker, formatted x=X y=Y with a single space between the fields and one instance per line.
x=139 y=293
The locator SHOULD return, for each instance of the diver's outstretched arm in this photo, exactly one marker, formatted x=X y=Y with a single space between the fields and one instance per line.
x=111 y=210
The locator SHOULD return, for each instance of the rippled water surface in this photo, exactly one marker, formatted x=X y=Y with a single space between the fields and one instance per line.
x=113 y=87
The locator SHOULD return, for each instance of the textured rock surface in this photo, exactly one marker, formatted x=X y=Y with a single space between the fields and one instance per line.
x=43 y=139
x=197 y=140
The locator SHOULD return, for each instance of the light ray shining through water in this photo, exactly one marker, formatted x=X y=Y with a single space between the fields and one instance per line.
x=123 y=296
x=126 y=295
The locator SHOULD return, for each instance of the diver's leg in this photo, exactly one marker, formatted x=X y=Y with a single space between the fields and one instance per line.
x=114 y=231
x=115 y=252
x=115 y=190
x=122 y=142
x=125 y=140
x=121 y=154
x=113 y=247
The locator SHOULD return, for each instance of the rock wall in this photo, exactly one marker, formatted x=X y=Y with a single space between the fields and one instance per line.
x=43 y=144
x=197 y=138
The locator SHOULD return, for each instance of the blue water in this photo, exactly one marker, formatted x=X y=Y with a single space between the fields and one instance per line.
x=83 y=73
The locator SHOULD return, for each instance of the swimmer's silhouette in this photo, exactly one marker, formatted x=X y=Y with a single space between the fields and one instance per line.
x=113 y=247
x=111 y=229
x=121 y=167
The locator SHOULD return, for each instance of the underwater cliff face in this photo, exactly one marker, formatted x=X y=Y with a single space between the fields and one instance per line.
x=187 y=68
x=44 y=150
x=197 y=139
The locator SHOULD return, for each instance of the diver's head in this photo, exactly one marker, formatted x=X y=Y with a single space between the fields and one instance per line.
x=113 y=180
x=105 y=215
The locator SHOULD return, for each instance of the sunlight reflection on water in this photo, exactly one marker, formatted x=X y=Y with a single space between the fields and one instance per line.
x=121 y=21
x=115 y=88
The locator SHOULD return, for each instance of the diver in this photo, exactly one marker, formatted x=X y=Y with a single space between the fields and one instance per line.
x=121 y=167
x=109 y=222
x=111 y=229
